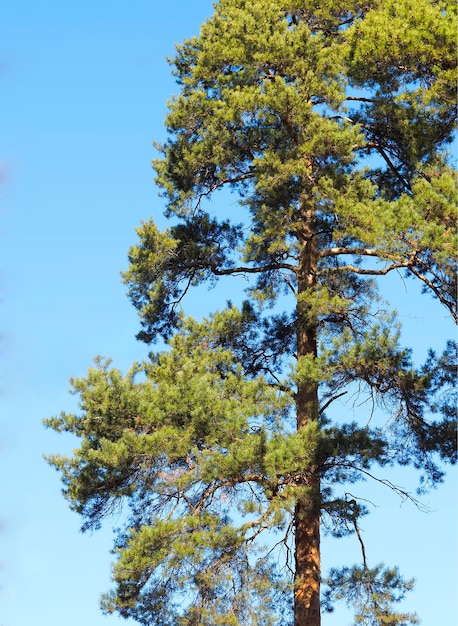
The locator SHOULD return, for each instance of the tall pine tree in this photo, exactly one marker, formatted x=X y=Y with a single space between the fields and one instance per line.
x=330 y=121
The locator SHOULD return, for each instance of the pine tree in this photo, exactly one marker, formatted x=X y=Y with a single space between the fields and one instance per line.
x=331 y=122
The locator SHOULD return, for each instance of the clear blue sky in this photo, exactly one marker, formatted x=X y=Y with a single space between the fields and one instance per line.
x=83 y=88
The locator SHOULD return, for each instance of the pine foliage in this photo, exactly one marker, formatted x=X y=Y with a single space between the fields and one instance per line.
x=331 y=123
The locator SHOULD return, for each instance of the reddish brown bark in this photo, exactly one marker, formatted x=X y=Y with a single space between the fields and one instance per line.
x=307 y=527
x=307 y=511
x=307 y=576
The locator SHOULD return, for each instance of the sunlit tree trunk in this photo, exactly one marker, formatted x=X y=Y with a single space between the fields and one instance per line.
x=307 y=511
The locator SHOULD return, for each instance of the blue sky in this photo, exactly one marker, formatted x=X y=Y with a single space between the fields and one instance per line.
x=84 y=88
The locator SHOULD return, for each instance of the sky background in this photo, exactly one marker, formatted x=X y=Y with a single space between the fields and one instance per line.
x=84 y=88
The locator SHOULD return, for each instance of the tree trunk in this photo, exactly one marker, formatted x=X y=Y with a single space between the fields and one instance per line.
x=307 y=511
x=307 y=575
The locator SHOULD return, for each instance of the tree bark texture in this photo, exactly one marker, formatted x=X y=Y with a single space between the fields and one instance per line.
x=307 y=511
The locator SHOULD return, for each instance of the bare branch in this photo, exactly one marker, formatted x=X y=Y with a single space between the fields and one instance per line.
x=363 y=549
x=402 y=493
x=370 y=272
x=252 y=270
x=436 y=291
x=360 y=99
x=323 y=409
x=343 y=250
x=221 y=183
